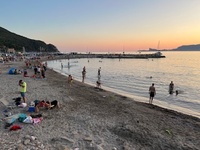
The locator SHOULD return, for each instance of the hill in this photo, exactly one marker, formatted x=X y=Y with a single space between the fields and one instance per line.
x=188 y=48
x=12 y=40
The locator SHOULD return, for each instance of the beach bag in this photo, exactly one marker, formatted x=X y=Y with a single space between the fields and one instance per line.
x=29 y=119
x=17 y=101
x=22 y=105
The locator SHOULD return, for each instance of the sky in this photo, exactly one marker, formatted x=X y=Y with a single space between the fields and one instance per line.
x=104 y=25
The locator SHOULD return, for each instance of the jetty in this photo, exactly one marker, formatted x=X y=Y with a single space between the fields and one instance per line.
x=115 y=56
x=75 y=55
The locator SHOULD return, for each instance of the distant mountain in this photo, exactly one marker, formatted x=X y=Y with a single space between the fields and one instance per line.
x=12 y=40
x=188 y=48
x=180 y=48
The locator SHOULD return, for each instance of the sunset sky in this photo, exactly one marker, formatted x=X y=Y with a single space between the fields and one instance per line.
x=104 y=25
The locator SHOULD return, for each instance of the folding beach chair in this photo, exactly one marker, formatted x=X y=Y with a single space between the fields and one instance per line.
x=5 y=102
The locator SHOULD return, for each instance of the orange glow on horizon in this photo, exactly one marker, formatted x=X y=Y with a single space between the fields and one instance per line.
x=114 y=42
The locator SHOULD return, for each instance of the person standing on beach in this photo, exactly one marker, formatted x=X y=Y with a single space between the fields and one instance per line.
x=83 y=74
x=23 y=86
x=61 y=65
x=42 y=73
x=46 y=64
x=84 y=70
x=35 y=70
x=152 y=93
x=171 y=87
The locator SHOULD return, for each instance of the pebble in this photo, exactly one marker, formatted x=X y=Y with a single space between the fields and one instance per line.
x=27 y=141
x=19 y=141
x=70 y=141
x=88 y=139
x=33 y=138
x=42 y=146
x=99 y=147
x=27 y=137
x=20 y=147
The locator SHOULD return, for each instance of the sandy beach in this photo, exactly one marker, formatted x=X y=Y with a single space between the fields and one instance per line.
x=91 y=118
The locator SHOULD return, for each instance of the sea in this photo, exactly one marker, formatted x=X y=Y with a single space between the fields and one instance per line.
x=133 y=77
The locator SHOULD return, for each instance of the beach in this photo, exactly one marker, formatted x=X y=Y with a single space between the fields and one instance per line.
x=91 y=118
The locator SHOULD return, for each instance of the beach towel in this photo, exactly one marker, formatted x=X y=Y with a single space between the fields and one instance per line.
x=15 y=127
x=11 y=119
x=37 y=120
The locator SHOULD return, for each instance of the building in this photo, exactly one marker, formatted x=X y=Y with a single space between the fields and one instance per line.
x=11 y=50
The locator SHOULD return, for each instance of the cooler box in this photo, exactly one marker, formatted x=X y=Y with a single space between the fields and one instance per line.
x=31 y=109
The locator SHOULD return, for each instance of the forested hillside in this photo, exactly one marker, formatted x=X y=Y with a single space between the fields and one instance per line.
x=12 y=40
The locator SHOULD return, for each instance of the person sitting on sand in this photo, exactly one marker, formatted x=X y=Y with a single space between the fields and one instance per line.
x=98 y=83
x=70 y=79
x=25 y=73
x=15 y=72
x=19 y=71
x=46 y=104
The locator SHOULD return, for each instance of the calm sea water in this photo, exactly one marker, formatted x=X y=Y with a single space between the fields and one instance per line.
x=132 y=77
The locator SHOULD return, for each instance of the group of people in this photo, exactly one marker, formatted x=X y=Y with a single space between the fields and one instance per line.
x=152 y=91
x=39 y=70
x=37 y=104
x=46 y=104
x=17 y=71
x=38 y=67
x=98 y=82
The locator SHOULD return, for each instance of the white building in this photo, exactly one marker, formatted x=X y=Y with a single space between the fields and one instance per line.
x=10 y=50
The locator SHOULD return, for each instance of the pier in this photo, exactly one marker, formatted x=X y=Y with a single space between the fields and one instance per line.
x=115 y=56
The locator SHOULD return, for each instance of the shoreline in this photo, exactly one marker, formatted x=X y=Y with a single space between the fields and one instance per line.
x=124 y=96
x=156 y=102
x=90 y=118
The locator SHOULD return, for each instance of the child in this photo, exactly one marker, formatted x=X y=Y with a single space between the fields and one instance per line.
x=98 y=83
x=70 y=79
